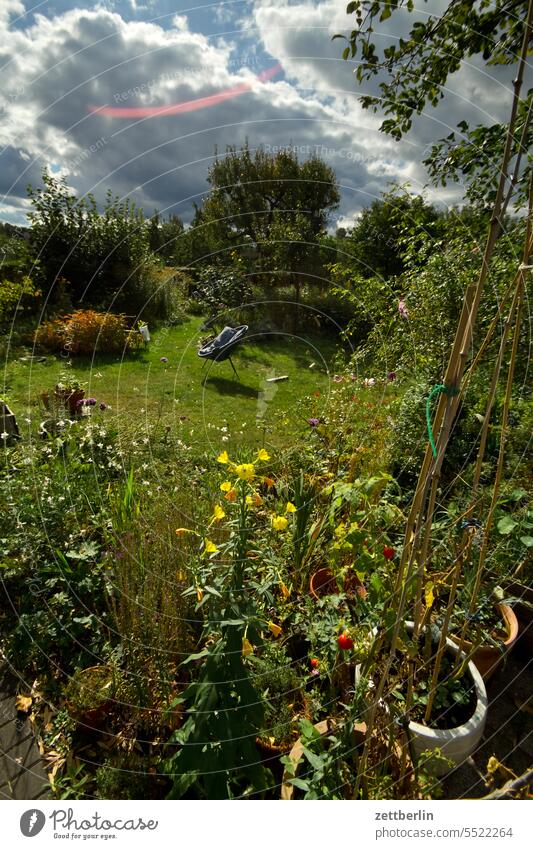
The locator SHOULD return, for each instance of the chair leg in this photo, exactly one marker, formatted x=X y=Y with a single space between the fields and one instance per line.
x=234 y=369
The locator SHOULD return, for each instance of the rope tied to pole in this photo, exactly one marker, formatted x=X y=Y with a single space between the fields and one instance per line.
x=447 y=390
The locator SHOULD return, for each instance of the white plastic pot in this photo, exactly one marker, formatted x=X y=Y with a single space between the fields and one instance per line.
x=456 y=744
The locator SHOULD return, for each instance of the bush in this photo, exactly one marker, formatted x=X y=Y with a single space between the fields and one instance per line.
x=217 y=289
x=85 y=331
x=16 y=297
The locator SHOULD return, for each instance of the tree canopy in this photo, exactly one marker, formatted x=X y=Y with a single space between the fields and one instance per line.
x=268 y=200
x=413 y=73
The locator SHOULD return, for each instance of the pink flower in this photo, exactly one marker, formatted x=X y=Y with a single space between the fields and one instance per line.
x=402 y=309
x=337 y=378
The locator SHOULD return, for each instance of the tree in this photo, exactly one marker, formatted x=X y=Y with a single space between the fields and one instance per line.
x=163 y=236
x=377 y=243
x=413 y=73
x=99 y=254
x=270 y=200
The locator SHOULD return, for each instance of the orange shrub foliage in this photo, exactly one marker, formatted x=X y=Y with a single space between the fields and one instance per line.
x=87 y=331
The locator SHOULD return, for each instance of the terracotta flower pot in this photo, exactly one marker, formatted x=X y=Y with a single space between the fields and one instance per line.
x=487 y=658
x=323 y=583
x=70 y=398
x=523 y=608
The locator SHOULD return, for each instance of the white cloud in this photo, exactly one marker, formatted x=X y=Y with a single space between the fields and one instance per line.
x=56 y=69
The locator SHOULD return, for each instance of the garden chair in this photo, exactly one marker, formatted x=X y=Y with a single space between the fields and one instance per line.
x=220 y=348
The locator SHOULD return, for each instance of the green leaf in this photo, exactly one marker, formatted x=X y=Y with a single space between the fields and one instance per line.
x=527 y=541
x=314 y=760
x=198 y=656
x=300 y=783
x=506 y=525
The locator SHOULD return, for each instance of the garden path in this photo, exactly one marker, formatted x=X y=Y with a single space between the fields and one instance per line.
x=22 y=771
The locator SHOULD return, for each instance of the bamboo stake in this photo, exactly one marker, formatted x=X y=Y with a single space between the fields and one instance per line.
x=447 y=405
x=505 y=413
x=442 y=640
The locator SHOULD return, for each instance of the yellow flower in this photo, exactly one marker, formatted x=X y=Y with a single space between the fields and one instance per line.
x=247 y=647
x=223 y=458
x=262 y=454
x=231 y=495
x=290 y=508
x=180 y=575
x=218 y=513
x=209 y=547
x=274 y=629
x=254 y=500
x=199 y=594
x=285 y=591
x=226 y=486
x=279 y=523
x=246 y=471
x=180 y=532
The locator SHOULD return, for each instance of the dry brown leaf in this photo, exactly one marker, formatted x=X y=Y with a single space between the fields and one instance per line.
x=23 y=703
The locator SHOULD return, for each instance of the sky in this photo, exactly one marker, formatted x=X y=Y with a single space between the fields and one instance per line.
x=137 y=96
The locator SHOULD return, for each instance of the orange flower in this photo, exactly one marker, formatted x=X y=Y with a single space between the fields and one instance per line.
x=231 y=495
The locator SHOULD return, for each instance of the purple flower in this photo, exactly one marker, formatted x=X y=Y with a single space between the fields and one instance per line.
x=90 y=402
x=313 y=422
x=164 y=359
x=80 y=402
x=103 y=406
x=402 y=309
x=391 y=376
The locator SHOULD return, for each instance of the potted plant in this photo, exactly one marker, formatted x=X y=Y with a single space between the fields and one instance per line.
x=70 y=393
x=487 y=618
x=447 y=701
x=326 y=758
x=323 y=582
x=90 y=694
x=276 y=679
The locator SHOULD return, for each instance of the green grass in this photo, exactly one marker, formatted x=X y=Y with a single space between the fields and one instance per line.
x=140 y=385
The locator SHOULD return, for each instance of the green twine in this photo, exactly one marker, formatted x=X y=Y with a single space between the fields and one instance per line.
x=440 y=387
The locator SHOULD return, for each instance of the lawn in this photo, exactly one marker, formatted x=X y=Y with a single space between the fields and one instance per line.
x=143 y=385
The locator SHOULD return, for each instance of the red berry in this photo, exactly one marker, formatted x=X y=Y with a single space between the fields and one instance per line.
x=388 y=552
x=314 y=662
x=344 y=641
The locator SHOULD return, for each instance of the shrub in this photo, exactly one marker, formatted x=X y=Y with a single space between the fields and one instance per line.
x=85 y=331
x=217 y=289
x=16 y=297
